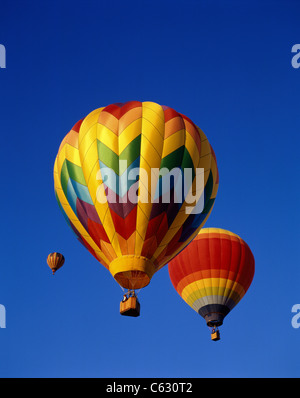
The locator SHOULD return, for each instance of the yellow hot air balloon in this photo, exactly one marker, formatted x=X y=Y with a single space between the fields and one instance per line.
x=118 y=177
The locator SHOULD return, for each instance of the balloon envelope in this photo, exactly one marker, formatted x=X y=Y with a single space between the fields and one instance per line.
x=55 y=261
x=116 y=186
x=213 y=273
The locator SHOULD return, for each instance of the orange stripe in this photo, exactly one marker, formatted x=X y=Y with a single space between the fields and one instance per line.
x=109 y=121
x=173 y=125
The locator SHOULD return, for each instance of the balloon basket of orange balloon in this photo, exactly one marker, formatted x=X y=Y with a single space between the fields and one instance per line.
x=130 y=306
x=215 y=335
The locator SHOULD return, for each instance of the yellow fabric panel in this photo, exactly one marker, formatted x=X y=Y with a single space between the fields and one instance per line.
x=72 y=154
x=103 y=208
x=62 y=144
x=151 y=133
x=139 y=241
x=60 y=158
x=202 y=134
x=107 y=221
x=90 y=120
x=141 y=226
x=144 y=209
x=108 y=138
x=192 y=149
x=109 y=121
x=129 y=134
x=151 y=149
x=150 y=154
x=215 y=173
x=213 y=164
x=173 y=142
x=205 y=162
x=211 y=287
x=173 y=125
x=211 y=230
x=155 y=113
x=128 y=118
x=89 y=155
x=205 y=148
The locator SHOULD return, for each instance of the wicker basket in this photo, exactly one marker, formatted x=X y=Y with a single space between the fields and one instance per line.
x=130 y=306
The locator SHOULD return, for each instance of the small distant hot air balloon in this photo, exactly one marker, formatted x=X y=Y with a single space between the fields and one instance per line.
x=106 y=159
x=55 y=261
x=212 y=274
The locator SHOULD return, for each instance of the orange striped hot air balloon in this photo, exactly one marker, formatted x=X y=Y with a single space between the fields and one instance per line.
x=212 y=274
x=55 y=261
x=111 y=183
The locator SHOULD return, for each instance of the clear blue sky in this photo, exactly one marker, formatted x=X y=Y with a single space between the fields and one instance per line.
x=226 y=65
